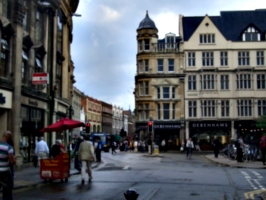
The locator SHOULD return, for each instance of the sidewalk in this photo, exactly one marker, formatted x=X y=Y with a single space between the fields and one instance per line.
x=30 y=176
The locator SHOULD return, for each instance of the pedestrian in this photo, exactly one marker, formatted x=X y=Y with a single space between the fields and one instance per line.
x=239 y=149
x=11 y=143
x=41 y=150
x=86 y=156
x=98 y=149
x=113 y=147
x=189 y=146
x=77 y=163
x=163 y=145
x=263 y=148
x=182 y=148
x=216 y=144
x=70 y=149
x=126 y=145
x=7 y=158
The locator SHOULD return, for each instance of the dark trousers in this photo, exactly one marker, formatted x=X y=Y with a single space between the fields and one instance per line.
x=189 y=151
x=6 y=180
x=263 y=154
x=239 y=156
x=98 y=155
x=216 y=152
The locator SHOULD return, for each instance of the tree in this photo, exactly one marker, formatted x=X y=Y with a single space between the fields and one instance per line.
x=261 y=123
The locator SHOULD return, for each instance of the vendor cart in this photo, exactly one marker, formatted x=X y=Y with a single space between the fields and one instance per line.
x=55 y=168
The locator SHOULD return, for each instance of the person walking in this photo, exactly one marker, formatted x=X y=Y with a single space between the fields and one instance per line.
x=98 y=149
x=41 y=150
x=189 y=146
x=113 y=147
x=239 y=149
x=77 y=163
x=163 y=145
x=216 y=144
x=7 y=159
x=263 y=148
x=86 y=156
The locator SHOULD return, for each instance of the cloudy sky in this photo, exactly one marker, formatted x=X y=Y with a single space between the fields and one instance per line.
x=104 y=46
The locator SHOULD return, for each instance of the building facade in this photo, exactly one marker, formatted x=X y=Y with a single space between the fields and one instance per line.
x=225 y=75
x=35 y=39
x=131 y=123
x=107 y=117
x=94 y=114
x=159 y=85
x=117 y=119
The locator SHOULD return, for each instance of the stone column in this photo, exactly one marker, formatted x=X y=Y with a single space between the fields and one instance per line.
x=17 y=42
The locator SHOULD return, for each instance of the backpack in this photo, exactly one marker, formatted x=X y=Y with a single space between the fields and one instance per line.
x=263 y=142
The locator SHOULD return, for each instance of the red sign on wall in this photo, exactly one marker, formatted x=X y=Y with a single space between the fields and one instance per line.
x=40 y=78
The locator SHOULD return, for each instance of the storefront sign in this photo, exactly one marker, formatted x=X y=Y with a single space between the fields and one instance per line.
x=5 y=99
x=210 y=124
x=166 y=126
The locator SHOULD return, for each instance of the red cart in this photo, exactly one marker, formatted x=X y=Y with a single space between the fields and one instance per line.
x=55 y=168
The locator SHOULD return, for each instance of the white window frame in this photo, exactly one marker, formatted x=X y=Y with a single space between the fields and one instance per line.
x=192 y=82
x=208 y=108
x=171 y=66
x=261 y=81
x=244 y=108
x=207 y=58
x=224 y=82
x=225 y=108
x=207 y=38
x=224 y=58
x=244 y=81
x=166 y=111
x=260 y=58
x=160 y=65
x=243 y=58
x=261 y=107
x=208 y=81
x=191 y=59
x=192 y=108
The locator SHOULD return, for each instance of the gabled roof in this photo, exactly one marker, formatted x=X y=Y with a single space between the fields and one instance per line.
x=230 y=23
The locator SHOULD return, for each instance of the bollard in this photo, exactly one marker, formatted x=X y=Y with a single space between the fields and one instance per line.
x=131 y=194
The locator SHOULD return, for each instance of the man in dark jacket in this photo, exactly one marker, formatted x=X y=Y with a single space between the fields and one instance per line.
x=216 y=144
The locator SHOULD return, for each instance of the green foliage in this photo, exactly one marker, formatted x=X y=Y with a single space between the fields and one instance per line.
x=261 y=123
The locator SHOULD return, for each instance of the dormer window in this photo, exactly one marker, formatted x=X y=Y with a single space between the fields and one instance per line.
x=170 y=40
x=251 y=34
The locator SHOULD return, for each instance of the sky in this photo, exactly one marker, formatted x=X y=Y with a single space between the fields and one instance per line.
x=104 y=43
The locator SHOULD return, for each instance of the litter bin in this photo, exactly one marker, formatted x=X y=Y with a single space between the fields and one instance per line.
x=156 y=150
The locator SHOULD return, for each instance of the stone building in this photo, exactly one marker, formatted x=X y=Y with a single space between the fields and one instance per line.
x=107 y=117
x=117 y=119
x=94 y=114
x=131 y=120
x=35 y=47
x=159 y=85
x=225 y=75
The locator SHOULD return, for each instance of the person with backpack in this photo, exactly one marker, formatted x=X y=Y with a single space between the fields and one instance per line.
x=263 y=148
x=239 y=149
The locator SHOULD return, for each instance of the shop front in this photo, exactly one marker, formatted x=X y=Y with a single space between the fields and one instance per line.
x=203 y=132
x=141 y=132
x=168 y=131
x=248 y=130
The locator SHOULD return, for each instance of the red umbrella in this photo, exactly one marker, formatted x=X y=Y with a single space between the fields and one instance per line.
x=63 y=124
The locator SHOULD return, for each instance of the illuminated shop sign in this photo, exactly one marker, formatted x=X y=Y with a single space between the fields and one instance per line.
x=214 y=124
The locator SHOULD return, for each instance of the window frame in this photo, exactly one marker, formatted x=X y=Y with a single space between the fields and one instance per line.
x=207 y=58
x=160 y=65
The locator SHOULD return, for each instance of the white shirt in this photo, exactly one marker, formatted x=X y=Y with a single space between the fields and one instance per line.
x=41 y=146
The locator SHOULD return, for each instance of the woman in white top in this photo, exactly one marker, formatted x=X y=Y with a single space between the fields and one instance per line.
x=189 y=146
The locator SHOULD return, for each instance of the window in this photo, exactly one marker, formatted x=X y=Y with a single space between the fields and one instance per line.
x=170 y=41
x=208 y=108
x=4 y=57
x=244 y=108
x=144 y=88
x=38 y=28
x=158 y=93
x=251 y=34
x=166 y=111
x=146 y=65
x=191 y=59
x=207 y=38
x=171 y=65
x=141 y=114
x=146 y=111
x=140 y=45
x=166 y=92
x=260 y=81
x=5 y=8
x=159 y=111
x=192 y=108
x=173 y=111
x=24 y=65
x=192 y=82
x=140 y=66
x=243 y=58
x=243 y=81
x=141 y=92
x=224 y=82
x=147 y=44
x=261 y=107
x=207 y=58
x=260 y=58
x=160 y=65
x=207 y=81
x=25 y=18
x=223 y=58
x=38 y=65
x=173 y=92
x=225 y=108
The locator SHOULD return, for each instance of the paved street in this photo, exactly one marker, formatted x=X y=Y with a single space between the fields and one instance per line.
x=168 y=176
